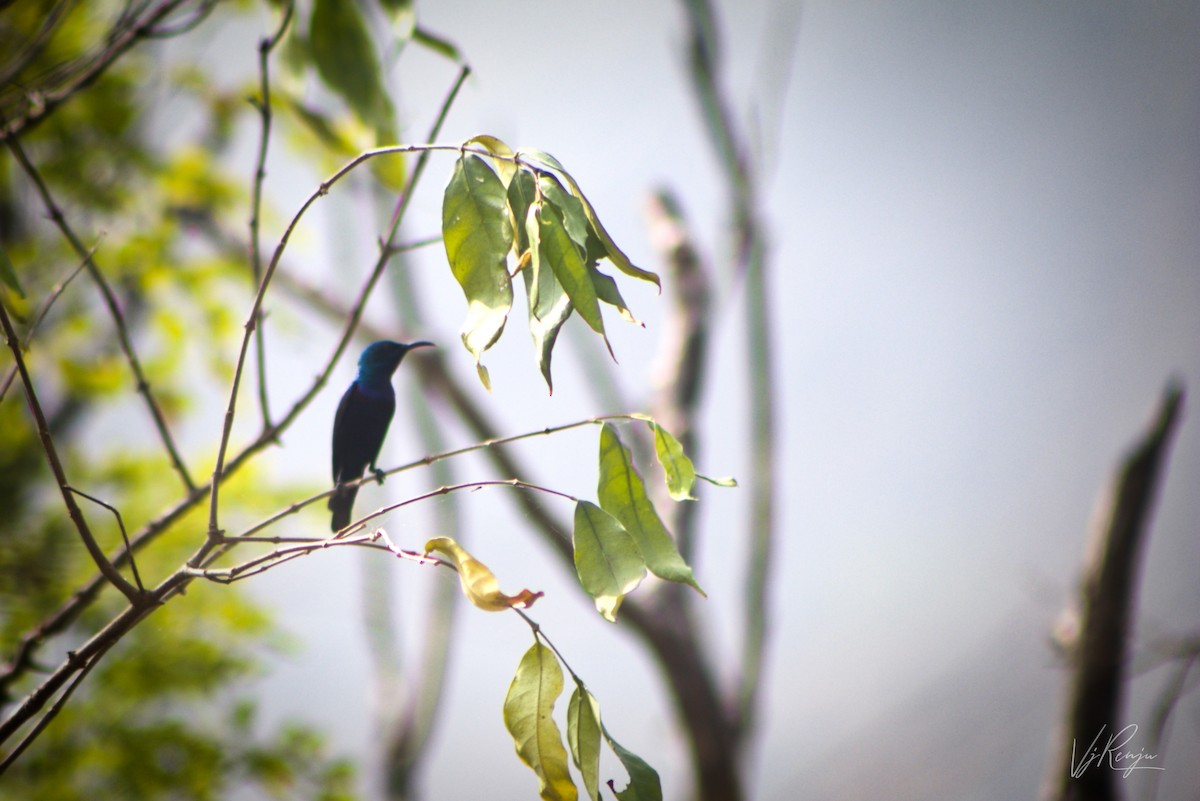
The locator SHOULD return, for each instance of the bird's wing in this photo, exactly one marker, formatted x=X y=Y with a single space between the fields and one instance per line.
x=359 y=427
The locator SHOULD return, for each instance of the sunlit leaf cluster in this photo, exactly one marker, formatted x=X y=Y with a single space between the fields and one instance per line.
x=505 y=213
x=529 y=717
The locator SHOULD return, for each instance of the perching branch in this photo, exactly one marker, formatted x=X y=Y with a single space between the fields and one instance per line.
x=1106 y=604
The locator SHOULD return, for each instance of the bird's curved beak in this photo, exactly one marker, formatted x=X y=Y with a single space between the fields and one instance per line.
x=422 y=344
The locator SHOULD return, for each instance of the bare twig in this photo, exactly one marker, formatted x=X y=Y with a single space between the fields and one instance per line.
x=124 y=535
x=263 y=104
x=76 y=514
x=55 y=292
x=350 y=325
x=114 y=309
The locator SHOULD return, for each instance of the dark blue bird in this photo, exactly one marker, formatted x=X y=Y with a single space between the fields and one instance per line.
x=362 y=422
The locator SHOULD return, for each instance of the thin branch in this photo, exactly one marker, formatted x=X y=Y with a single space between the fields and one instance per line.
x=750 y=265
x=124 y=536
x=76 y=514
x=40 y=103
x=263 y=104
x=55 y=292
x=684 y=349
x=114 y=309
x=350 y=325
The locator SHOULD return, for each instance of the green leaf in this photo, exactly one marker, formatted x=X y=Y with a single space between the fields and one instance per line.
x=722 y=481
x=568 y=207
x=345 y=58
x=549 y=305
x=8 y=273
x=623 y=495
x=583 y=736
x=403 y=18
x=437 y=44
x=607 y=560
x=614 y=253
x=606 y=290
x=478 y=234
x=556 y=249
x=522 y=190
x=681 y=475
x=644 y=784
x=528 y=716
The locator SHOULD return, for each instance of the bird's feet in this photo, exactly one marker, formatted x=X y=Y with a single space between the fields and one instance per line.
x=379 y=475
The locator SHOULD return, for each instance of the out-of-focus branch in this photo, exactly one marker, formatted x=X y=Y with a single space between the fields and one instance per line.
x=683 y=354
x=750 y=264
x=1106 y=603
x=76 y=514
x=263 y=104
x=114 y=309
x=22 y=107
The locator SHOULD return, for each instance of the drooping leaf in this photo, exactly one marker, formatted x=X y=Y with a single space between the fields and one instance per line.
x=606 y=290
x=8 y=273
x=549 y=304
x=478 y=234
x=623 y=495
x=556 y=250
x=522 y=190
x=568 y=207
x=614 y=253
x=680 y=474
x=607 y=560
x=528 y=716
x=345 y=58
x=583 y=737
x=644 y=784
x=479 y=584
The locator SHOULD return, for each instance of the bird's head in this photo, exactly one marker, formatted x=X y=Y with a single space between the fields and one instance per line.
x=380 y=359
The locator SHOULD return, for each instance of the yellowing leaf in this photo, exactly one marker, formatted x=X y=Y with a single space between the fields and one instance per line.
x=528 y=716
x=583 y=737
x=607 y=560
x=502 y=154
x=478 y=234
x=622 y=494
x=479 y=584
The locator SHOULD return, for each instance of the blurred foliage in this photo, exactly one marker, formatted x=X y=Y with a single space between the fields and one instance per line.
x=135 y=162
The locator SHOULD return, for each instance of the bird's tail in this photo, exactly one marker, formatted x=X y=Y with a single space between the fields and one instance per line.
x=341 y=503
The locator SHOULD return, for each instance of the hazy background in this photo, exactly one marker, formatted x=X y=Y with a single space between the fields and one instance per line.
x=984 y=246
